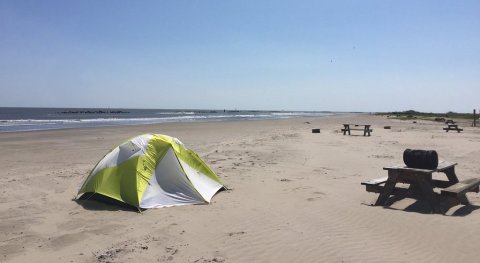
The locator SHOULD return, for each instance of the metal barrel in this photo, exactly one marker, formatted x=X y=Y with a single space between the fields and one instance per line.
x=423 y=159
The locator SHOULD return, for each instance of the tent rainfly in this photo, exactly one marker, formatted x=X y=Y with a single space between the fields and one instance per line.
x=153 y=171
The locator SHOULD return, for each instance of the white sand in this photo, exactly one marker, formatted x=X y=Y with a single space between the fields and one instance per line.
x=296 y=196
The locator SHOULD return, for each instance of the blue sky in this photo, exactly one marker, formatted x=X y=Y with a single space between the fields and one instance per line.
x=270 y=55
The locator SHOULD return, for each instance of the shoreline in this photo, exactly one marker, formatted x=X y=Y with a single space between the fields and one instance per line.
x=30 y=120
x=181 y=122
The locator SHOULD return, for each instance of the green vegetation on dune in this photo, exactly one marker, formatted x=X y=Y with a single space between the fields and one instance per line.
x=411 y=114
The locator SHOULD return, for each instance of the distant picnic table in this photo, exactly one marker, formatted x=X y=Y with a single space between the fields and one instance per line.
x=421 y=181
x=451 y=126
x=362 y=127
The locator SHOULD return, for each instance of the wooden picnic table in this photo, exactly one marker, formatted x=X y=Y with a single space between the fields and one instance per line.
x=452 y=127
x=421 y=181
x=365 y=128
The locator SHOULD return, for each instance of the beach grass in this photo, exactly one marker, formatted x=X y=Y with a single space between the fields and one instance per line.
x=430 y=116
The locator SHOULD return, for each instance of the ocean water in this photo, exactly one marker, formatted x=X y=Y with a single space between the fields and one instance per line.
x=30 y=119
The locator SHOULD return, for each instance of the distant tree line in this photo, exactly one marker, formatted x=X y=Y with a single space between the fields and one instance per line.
x=412 y=114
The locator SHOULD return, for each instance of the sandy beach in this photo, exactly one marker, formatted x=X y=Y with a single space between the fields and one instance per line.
x=294 y=196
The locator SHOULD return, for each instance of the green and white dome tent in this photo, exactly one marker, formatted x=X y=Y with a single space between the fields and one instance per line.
x=152 y=171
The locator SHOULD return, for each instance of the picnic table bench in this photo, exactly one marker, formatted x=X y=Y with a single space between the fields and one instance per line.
x=421 y=181
x=365 y=128
x=452 y=127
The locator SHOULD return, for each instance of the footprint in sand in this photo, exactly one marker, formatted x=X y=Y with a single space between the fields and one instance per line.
x=310 y=199
x=214 y=259
x=322 y=170
x=382 y=156
x=236 y=233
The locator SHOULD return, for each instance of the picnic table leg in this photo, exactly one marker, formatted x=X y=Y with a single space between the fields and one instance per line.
x=366 y=130
x=452 y=177
x=388 y=189
x=463 y=199
x=427 y=189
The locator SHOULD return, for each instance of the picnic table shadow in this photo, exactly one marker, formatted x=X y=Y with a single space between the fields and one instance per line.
x=97 y=202
x=422 y=206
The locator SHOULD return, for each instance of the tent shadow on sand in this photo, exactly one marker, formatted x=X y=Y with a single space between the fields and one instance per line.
x=97 y=202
